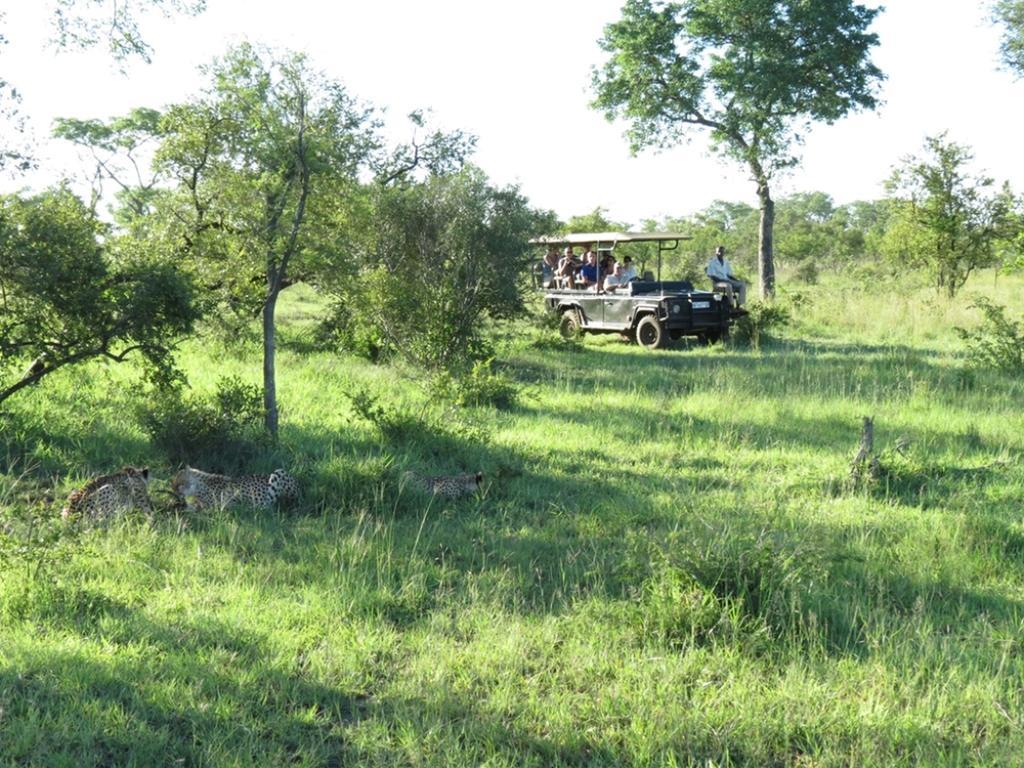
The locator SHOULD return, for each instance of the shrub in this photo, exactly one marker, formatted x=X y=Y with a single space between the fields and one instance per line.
x=440 y=264
x=220 y=433
x=998 y=342
x=482 y=385
x=341 y=329
x=761 y=317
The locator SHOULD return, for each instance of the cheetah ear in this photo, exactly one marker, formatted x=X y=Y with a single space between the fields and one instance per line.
x=145 y=473
x=479 y=477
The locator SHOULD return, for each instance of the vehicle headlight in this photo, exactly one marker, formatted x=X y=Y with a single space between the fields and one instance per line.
x=677 y=308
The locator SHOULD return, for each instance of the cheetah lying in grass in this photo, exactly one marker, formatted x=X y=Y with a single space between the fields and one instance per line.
x=105 y=496
x=450 y=486
x=201 y=489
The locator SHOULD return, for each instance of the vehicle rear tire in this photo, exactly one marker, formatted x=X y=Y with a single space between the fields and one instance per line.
x=649 y=333
x=570 y=326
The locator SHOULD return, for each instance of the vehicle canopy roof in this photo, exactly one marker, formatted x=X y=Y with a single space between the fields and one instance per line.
x=608 y=239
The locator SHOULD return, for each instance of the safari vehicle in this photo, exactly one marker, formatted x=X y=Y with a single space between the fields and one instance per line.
x=648 y=310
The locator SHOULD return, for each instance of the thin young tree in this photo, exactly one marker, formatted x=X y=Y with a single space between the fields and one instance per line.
x=754 y=73
x=252 y=157
x=943 y=218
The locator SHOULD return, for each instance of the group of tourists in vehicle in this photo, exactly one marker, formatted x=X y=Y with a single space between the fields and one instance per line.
x=600 y=272
x=596 y=272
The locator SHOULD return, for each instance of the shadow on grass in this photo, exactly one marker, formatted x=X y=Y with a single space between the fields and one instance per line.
x=201 y=692
x=192 y=694
x=795 y=369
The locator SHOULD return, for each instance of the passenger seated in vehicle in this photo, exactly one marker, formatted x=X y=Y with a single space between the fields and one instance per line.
x=549 y=266
x=616 y=280
x=628 y=269
x=588 y=272
x=566 y=272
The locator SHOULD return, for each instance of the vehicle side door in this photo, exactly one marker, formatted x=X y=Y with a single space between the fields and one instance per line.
x=617 y=308
x=593 y=309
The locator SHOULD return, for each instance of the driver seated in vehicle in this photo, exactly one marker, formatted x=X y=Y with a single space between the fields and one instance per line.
x=723 y=280
x=617 y=279
x=628 y=269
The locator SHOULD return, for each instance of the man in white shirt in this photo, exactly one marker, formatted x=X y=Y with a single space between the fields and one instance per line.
x=617 y=279
x=628 y=270
x=720 y=272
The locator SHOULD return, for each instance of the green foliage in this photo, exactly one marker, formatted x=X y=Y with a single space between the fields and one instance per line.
x=761 y=317
x=446 y=255
x=343 y=329
x=259 y=161
x=998 y=342
x=1010 y=15
x=220 y=433
x=755 y=74
x=595 y=221
x=783 y=63
x=116 y=145
x=942 y=218
x=82 y=25
x=68 y=297
x=482 y=385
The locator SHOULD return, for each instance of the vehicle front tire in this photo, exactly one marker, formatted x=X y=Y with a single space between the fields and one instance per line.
x=650 y=334
x=570 y=326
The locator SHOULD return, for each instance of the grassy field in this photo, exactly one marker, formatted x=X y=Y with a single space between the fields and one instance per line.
x=668 y=564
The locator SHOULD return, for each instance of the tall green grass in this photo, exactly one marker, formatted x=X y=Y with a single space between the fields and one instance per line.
x=668 y=563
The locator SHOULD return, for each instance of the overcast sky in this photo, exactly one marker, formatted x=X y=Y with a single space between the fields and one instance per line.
x=517 y=75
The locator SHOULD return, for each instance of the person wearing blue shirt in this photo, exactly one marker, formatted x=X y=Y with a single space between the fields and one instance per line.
x=588 y=272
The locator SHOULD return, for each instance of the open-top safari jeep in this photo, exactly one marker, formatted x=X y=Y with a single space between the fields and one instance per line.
x=647 y=309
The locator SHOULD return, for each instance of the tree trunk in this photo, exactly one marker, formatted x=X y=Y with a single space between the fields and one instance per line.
x=269 y=349
x=765 y=248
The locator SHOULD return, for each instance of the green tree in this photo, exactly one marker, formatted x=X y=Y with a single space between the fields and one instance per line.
x=1010 y=15
x=732 y=225
x=120 y=149
x=444 y=256
x=87 y=23
x=943 y=218
x=259 y=160
x=755 y=73
x=595 y=221
x=69 y=295
x=84 y=24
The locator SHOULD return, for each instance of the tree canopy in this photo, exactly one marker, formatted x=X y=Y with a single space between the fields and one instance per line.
x=253 y=159
x=754 y=73
x=944 y=218
x=67 y=296
x=1010 y=15
x=441 y=257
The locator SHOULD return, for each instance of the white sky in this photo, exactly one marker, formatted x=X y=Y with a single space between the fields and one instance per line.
x=517 y=75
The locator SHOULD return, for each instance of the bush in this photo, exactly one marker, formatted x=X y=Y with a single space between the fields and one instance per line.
x=219 y=433
x=446 y=433
x=341 y=329
x=440 y=265
x=482 y=385
x=998 y=342
x=761 y=317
